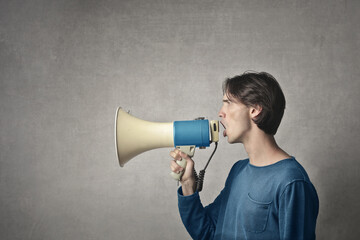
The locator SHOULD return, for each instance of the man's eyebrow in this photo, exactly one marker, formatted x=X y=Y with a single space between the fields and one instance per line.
x=226 y=100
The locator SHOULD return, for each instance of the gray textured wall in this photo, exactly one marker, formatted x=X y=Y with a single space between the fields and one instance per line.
x=66 y=65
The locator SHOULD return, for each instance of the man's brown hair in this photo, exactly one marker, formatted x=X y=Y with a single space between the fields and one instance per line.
x=258 y=90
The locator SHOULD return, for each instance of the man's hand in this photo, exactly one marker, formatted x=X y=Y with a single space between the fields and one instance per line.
x=187 y=180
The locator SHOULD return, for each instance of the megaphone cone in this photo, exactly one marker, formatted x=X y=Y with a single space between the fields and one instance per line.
x=134 y=136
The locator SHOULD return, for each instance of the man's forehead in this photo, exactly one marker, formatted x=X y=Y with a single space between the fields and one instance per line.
x=227 y=98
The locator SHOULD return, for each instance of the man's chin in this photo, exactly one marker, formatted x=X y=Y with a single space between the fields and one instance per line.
x=229 y=140
x=232 y=141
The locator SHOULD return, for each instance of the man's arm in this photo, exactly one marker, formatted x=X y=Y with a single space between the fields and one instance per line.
x=298 y=210
x=200 y=222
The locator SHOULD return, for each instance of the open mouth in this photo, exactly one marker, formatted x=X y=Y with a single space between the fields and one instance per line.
x=224 y=132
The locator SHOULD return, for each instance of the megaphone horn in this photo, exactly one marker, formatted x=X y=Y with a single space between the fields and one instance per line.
x=135 y=136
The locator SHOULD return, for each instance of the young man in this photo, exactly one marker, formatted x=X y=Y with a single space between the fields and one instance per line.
x=267 y=196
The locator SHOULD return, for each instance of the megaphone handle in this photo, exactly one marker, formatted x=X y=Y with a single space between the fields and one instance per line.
x=189 y=150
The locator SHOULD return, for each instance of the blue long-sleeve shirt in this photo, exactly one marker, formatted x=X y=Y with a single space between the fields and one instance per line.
x=277 y=201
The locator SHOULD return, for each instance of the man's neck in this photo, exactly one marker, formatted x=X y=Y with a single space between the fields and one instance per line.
x=263 y=149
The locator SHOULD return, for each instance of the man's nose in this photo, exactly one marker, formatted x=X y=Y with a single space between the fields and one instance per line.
x=221 y=113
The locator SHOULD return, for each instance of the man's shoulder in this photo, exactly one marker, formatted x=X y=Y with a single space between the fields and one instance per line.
x=237 y=168
x=291 y=170
x=240 y=164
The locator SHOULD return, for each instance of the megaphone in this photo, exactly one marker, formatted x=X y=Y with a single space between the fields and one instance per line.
x=134 y=136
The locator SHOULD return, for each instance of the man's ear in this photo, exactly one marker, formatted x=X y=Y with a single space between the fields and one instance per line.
x=255 y=111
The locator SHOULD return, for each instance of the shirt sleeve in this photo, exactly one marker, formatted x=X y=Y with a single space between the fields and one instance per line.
x=298 y=209
x=200 y=222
